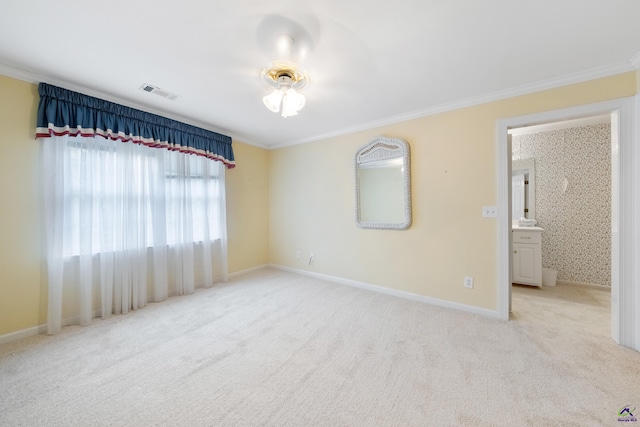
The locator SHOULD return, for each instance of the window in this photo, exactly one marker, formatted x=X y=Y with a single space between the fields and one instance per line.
x=115 y=192
x=126 y=219
x=194 y=174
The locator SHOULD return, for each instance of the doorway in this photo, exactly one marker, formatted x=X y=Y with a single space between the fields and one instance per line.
x=624 y=292
x=561 y=185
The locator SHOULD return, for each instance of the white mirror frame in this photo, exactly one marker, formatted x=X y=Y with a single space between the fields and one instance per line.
x=378 y=149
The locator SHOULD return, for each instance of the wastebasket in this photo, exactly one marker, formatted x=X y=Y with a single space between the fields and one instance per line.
x=549 y=276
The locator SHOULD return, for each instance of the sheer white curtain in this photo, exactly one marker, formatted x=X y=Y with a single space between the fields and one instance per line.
x=126 y=224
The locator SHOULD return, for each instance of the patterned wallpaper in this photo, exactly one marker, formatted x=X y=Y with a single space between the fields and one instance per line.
x=577 y=223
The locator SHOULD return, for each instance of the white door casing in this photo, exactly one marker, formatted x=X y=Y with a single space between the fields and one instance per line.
x=625 y=128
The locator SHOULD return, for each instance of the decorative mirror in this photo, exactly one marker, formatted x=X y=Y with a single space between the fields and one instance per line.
x=523 y=189
x=383 y=184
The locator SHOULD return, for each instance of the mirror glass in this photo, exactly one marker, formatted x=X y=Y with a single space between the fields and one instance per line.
x=523 y=189
x=383 y=193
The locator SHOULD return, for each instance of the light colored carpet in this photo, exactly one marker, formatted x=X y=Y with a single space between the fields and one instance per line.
x=273 y=348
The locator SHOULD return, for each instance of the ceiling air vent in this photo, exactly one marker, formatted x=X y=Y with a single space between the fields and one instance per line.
x=160 y=92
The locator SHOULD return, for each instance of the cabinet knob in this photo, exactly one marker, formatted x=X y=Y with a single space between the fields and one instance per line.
x=515 y=252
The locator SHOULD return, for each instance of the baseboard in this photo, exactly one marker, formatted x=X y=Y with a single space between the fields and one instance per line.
x=248 y=270
x=393 y=292
x=42 y=329
x=18 y=335
x=583 y=285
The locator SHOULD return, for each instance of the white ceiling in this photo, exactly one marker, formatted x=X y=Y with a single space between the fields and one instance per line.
x=370 y=62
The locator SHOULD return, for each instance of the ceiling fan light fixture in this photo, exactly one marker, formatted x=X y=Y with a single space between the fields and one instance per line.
x=273 y=101
x=287 y=80
x=292 y=102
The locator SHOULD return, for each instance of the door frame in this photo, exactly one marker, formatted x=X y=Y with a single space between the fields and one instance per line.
x=625 y=289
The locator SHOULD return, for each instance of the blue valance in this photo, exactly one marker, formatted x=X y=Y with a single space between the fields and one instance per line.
x=64 y=112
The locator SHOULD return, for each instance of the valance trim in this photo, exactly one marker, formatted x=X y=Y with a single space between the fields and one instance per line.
x=63 y=112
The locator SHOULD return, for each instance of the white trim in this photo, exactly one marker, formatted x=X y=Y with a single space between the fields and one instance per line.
x=16 y=73
x=635 y=114
x=587 y=121
x=635 y=61
x=574 y=78
x=583 y=285
x=248 y=270
x=504 y=220
x=632 y=65
x=615 y=225
x=24 y=333
x=393 y=292
x=624 y=213
x=624 y=295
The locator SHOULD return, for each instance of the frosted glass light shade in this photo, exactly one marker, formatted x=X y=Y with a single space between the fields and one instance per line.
x=292 y=103
x=272 y=101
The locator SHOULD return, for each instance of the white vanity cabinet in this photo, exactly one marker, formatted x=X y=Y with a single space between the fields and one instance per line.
x=527 y=255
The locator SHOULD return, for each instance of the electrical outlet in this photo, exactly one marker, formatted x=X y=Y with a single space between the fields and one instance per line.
x=298 y=254
x=468 y=282
x=489 y=211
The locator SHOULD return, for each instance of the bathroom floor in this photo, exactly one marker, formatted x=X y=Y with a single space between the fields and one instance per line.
x=563 y=306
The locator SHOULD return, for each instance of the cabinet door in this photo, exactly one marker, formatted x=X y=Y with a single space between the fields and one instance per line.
x=526 y=267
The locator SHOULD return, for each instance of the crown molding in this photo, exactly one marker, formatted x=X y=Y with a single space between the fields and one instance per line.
x=632 y=65
x=565 y=124
x=35 y=78
x=569 y=79
x=19 y=74
x=635 y=61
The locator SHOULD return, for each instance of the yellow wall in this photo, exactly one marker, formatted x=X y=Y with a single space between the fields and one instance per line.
x=454 y=170
x=22 y=295
x=301 y=198
x=248 y=208
x=22 y=298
